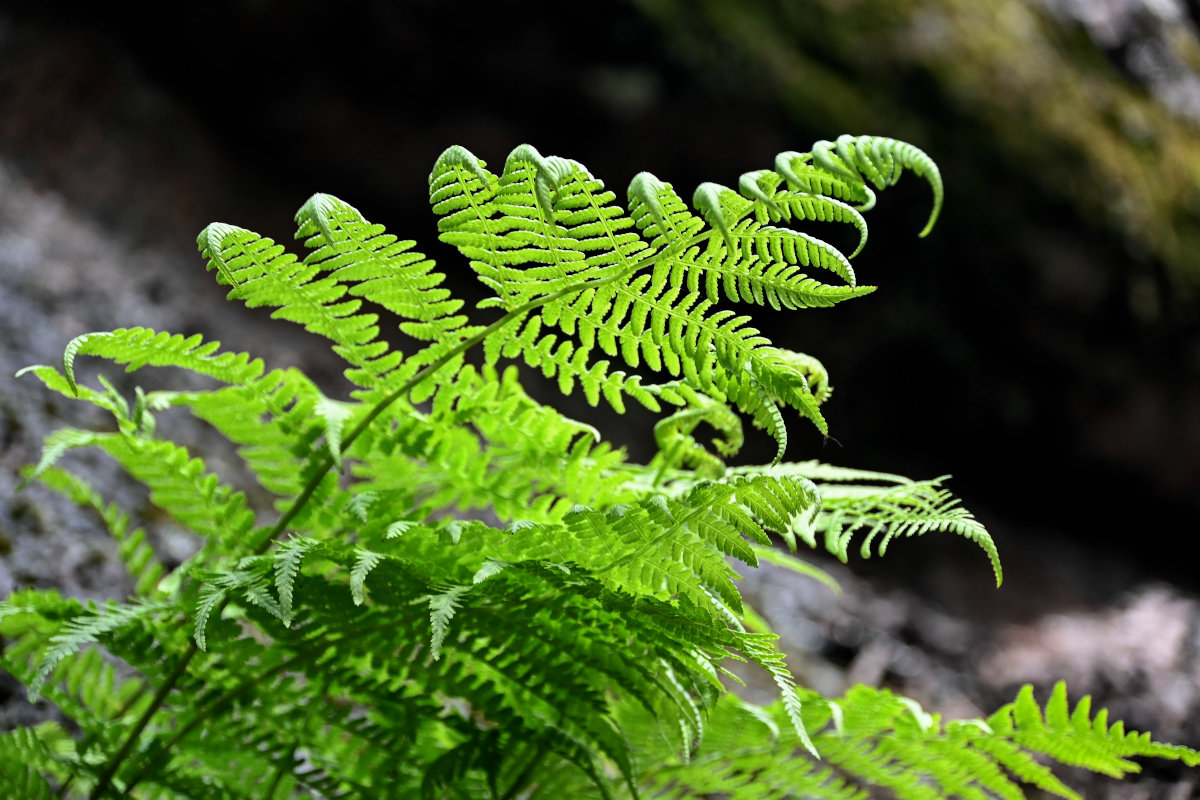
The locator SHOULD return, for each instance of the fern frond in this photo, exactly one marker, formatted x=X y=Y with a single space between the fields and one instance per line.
x=288 y=557
x=532 y=231
x=785 y=504
x=774 y=205
x=529 y=233
x=181 y=486
x=1077 y=737
x=363 y=564
x=178 y=483
x=252 y=580
x=751 y=240
x=526 y=459
x=753 y=262
x=659 y=548
x=567 y=362
x=383 y=270
x=801 y=175
x=262 y=273
x=54 y=447
x=442 y=607
x=716 y=352
x=881 y=506
x=514 y=663
x=872 y=738
x=88 y=628
x=86 y=687
x=273 y=422
x=280 y=402
x=604 y=316
x=140 y=347
x=211 y=598
x=886 y=513
x=881 y=161
x=673 y=434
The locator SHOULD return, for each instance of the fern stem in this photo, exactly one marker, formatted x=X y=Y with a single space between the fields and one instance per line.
x=156 y=703
x=86 y=742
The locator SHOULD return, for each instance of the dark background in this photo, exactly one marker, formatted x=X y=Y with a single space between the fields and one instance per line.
x=1042 y=344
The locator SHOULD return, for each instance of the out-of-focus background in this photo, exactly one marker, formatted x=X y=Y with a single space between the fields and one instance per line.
x=1043 y=344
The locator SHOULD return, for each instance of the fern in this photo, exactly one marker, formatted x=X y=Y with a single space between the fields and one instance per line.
x=873 y=738
x=455 y=590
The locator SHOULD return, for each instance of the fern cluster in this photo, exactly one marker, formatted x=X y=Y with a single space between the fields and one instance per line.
x=458 y=591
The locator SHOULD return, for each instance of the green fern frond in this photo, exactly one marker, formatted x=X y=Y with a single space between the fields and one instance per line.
x=140 y=347
x=673 y=434
x=442 y=607
x=567 y=362
x=760 y=648
x=750 y=240
x=516 y=229
x=252 y=580
x=281 y=402
x=801 y=175
x=524 y=461
x=656 y=547
x=881 y=161
x=336 y=417
x=885 y=513
x=271 y=420
x=180 y=485
x=871 y=738
x=288 y=557
x=54 y=447
x=662 y=216
x=262 y=273
x=784 y=504
x=1076 y=737
x=774 y=205
x=753 y=262
x=211 y=597
x=383 y=270
x=880 y=506
x=532 y=231
x=518 y=668
x=363 y=564
x=85 y=687
x=88 y=628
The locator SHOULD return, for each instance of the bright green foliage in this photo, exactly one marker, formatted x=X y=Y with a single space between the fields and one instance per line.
x=752 y=753
x=458 y=591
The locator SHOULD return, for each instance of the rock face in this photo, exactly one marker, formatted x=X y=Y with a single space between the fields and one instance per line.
x=1047 y=330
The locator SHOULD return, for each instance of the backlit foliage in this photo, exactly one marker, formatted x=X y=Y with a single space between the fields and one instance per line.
x=458 y=591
